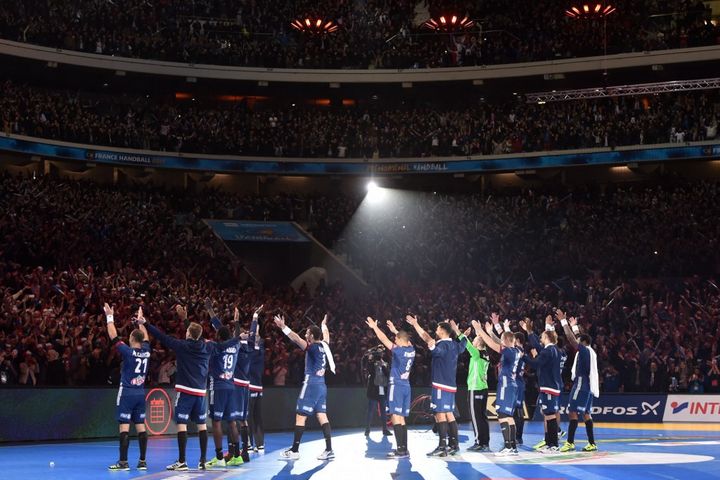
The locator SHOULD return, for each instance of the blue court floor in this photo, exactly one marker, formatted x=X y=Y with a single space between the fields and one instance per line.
x=627 y=452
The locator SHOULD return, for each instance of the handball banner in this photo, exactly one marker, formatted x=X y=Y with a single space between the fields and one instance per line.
x=259 y=165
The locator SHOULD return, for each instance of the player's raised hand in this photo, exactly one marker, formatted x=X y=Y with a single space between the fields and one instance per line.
x=467 y=331
x=549 y=320
x=572 y=321
x=324 y=321
x=525 y=324
x=476 y=325
x=181 y=312
x=560 y=315
x=371 y=323
x=236 y=315
x=455 y=327
x=256 y=313
x=140 y=317
x=109 y=311
x=412 y=320
x=488 y=327
x=391 y=327
x=506 y=325
x=495 y=318
x=279 y=321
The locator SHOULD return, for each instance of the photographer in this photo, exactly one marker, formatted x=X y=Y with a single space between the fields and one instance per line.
x=376 y=371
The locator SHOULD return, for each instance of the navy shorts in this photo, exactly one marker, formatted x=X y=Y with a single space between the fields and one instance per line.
x=130 y=407
x=506 y=397
x=398 y=400
x=312 y=399
x=580 y=401
x=242 y=400
x=190 y=408
x=223 y=405
x=550 y=403
x=442 y=401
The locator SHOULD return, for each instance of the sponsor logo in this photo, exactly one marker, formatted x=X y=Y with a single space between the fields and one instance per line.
x=677 y=408
x=692 y=408
x=160 y=408
x=650 y=408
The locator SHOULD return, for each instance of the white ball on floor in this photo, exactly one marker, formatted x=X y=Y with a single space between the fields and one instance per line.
x=52 y=464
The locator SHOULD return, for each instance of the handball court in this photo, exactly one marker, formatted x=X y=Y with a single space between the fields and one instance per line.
x=627 y=451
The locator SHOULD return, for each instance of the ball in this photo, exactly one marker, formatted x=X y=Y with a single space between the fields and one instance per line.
x=52 y=464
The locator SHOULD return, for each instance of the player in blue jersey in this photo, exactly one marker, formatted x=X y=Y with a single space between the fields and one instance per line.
x=313 y=396
x=445 y=352
x=546 y=360
x=131 y=394
x=223 y=401
x=257 y=369
x=506 y=397
x=193 y=359
x=399 y=394
x=586 y=384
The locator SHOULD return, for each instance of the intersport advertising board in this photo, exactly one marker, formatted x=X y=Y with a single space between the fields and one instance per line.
x=692 y=408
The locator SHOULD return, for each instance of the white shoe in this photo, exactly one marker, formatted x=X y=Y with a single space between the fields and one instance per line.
x=326 y=455
x=505 y=452
x=549 y=450
x=289 y=455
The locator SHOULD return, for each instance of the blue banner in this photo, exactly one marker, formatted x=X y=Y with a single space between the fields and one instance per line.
x=323 y=166
x=248 y=231
x=620 y=407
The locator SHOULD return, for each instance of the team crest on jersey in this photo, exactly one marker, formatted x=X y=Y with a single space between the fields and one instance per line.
x=137 y=381
x=226 y=376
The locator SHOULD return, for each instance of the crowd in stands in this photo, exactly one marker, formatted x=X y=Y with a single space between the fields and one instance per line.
x=379 y=131
x=372 y=33
x=67 y=247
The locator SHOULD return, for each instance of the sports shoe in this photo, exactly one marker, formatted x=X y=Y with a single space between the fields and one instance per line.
x=568 y=447
x=484 y=449
x=178 y=467
x=505 y=452
x=387 y=433
x=398 y=454
x=515 y=451
x=475 y=447
x=216 y=462
x=326 y=455
x=549 y=450
x=120 y=466
x=519 y=440
x=202 y=465
x=245 y=456
x=260 y=448
x=438 y=452
x=590 y=447
x=142 y=465
x=453 y=450
x=234 y=462
x=539 y=445
x=289 y=455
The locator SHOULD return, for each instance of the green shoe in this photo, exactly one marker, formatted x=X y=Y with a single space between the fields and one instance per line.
x=568 y=447
x=235 y=462
x=539 y=445
x=590 y=447
x=215 y=462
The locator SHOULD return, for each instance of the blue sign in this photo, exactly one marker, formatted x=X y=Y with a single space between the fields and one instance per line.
x=246 y=231
x=475 y=164
x=621 y=407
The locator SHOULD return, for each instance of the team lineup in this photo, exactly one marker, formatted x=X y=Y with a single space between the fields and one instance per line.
x=223 y=379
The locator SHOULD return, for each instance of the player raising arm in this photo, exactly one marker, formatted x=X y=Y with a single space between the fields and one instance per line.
x=313 y=396
x=403 y=356
x=131 y=395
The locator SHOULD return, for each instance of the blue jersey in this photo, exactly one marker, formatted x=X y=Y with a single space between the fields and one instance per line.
x=582 y=368
x=134 y=368
x=193 y=359
x=510 y=359
x=257 y=366
x=242 y=369
x=315 y=363
x=444 y=363
x=222 y=367
x=547 y=364
x=402 y=361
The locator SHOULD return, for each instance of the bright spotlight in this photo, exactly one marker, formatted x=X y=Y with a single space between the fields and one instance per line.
x=374 y=192
x=372 y=186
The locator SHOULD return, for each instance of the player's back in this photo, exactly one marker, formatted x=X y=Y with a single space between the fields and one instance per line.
x=257 y=366
x=582 y=367
x=444 y=363
x=315 y=363
x=402 y=361
x=222 y=367
x=134 y=368
x=510 y=359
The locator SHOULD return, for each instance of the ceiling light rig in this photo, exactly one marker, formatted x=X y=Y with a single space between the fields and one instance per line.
x=449 y=23
x=590 y=10
x=314 y=25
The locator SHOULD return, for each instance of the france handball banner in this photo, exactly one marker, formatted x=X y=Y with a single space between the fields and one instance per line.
x=692 y=408
x=254 y=165
x=621 y=407
x=247 y=231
